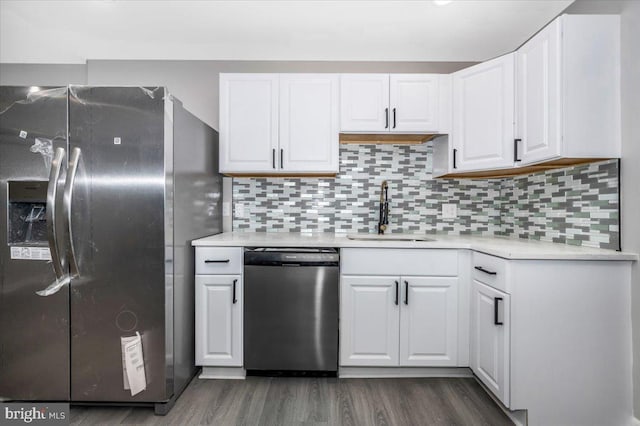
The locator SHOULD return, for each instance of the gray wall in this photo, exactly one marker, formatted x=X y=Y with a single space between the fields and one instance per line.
x=42 y=74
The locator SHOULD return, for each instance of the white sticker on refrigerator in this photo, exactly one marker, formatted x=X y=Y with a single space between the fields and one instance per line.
x=134 y=377
x=30 y=253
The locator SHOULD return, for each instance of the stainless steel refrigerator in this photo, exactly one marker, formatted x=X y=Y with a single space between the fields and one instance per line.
x=103 y=188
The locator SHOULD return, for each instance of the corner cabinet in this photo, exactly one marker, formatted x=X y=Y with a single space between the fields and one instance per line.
x=553 y=102
x=568 y=90
x=394 y=103
x=389 y=319
x=279 y=124
x=490 y=338
x=547 y=336
x=219 y=307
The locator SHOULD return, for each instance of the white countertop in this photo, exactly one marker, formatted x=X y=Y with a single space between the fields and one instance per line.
x=508 y=248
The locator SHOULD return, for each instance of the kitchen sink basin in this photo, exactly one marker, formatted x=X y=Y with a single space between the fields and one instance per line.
x=388 y=237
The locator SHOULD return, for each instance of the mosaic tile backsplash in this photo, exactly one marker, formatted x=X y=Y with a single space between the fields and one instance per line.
x=576 y=206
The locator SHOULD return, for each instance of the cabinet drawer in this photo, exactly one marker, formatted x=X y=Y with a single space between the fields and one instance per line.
x=490 y=270
x=218 y=260
x=425 y=262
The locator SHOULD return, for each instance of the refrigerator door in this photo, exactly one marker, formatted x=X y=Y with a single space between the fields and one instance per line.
x=118 y=217
x=34 y=329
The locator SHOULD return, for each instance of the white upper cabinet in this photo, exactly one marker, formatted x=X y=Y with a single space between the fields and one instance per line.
x=279 y=123
x=568 y=90
x=538 y=96
x=364 y=103
x=309 y=130
x=248 y=122
x=560 y=101
x=395 y=103
x=414 y=102
x=483 y=109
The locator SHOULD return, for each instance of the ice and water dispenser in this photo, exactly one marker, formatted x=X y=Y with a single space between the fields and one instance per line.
x=27 y=213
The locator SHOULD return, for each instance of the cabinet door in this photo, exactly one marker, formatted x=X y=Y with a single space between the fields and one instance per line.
x=538 y=104
x=309 y=129
x=490 y=340
x=248 y=123
x=364 y=103
x=414 y=102
x=369 y=321
x=219 y=320
x=429 y=321
x=483 y=114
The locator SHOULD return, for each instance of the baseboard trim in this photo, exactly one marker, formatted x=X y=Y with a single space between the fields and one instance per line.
x=227 y=373
x=399 y=372
x=518 y=417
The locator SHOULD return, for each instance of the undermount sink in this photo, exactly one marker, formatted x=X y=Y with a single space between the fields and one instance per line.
x=388 y=237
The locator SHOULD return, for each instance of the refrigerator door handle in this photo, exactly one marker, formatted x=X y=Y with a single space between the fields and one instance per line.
x=74 y=162
x=52 y=195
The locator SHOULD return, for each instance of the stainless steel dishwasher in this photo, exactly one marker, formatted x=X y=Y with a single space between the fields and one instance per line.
x=291 y=310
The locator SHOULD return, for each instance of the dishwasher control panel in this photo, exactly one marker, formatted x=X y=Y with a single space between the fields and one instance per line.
x=292 y=256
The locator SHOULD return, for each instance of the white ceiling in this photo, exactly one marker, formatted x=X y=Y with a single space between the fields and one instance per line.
x=75 y=31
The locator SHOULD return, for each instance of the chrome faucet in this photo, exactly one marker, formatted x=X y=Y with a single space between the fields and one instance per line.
x=384 y=207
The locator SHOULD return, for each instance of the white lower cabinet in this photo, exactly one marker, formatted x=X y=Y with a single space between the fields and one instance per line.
x=549 y=336
x=219 y=320
x=490 y=321
x=369 y=321
x=399 y=321
x=429 y=321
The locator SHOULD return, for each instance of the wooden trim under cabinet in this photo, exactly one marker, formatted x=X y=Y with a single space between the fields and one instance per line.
x=517 y=171
x=384 y=139
x=281 y=175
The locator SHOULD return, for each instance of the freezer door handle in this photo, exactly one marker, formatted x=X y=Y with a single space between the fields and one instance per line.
x=74 y=161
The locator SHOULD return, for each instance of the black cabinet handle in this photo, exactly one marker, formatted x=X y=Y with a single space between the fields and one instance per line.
x=281 y=158
x=496 y=300
x=216 y=261
x=394 y=118
x=397 y=284
x=455 y=151
x=406 y=292
x=234 y=291
x=273 y=158
x=515 y=150
x=386 y=115
x=486 y=271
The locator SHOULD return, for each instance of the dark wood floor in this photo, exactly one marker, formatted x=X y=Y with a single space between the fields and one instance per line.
x=315 y=401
